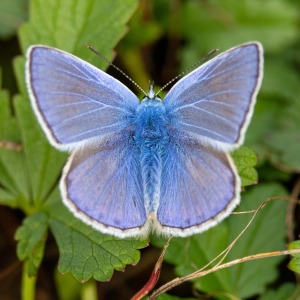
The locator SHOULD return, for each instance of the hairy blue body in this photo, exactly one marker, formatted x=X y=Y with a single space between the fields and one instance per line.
x=151 y=137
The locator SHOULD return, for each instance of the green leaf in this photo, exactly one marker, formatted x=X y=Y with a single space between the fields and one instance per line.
x=287 y=291
x=129 y=48
x=12 y=15
x=273 y=80
x=231 y=22
x=44 y=164
x=295 y=245
x=267 y=125
x=137 y=37
x=286 y=133
x=86 y=252
x=294 y=264
x=266 y=233
x=32 y=238
x=281 y=116
x=266 y=113
x=97 y=23
x=245 y=159
x=13 y=175
x=42 y=161
x=83 y=251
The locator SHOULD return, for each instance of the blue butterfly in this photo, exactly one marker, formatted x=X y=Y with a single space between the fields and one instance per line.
x=153 y=165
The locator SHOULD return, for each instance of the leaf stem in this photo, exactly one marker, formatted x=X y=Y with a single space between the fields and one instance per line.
x=28 y=284
x=89 y=290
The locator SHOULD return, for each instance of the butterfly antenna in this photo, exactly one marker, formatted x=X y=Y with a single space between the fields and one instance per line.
x=189 y=69
x=118 y=69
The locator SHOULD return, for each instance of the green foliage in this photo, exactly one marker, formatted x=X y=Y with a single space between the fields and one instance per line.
x=12 y=15
x=71 y=27
x=294 y=264
x=13 y=189
x=265 y=234
x=85 y=252
x=229 y=21
x=287 y=291
x=32 y=236
x=28 y=177
x=279 y=109
x=161 y=34
x=245 y=159
x=43 y=164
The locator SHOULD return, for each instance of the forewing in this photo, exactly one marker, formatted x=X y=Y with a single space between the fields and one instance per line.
x=199 y=188
x=73 y=100
x=103 y=188
x=215 y=102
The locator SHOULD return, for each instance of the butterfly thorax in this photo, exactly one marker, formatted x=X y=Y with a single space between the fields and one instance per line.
x=151 y=137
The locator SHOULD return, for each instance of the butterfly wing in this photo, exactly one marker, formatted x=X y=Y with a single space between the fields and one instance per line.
x=215 y=102
x=204 y=188
x=73 y=100
x=77 y=103
x=209 y=111
x=104 y=188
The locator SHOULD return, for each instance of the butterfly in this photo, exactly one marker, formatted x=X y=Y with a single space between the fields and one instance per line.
x=151 y=165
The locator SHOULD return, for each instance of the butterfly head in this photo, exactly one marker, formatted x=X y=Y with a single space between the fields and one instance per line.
x=151 y=98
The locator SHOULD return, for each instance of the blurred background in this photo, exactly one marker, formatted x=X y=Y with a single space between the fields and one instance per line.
x=161 y=39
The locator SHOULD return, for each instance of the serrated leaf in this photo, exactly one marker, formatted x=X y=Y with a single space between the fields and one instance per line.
x=97 y=23
x=44 y=163
x=295 y=245
x=31 y=237
x=54 y=24
x=245 y=159
x=86 y=252
x=294 y=264
x=13 y=176
x=266 y=233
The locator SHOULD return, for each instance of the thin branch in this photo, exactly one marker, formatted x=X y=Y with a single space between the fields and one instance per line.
x=10 y=145
x=197 y=274
x=203 y=271
x=148 y=287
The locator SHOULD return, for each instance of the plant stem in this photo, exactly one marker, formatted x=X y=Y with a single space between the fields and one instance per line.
x=28 y=284
x=89 y=290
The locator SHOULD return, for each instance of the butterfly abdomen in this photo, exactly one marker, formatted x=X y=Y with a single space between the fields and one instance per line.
x=151 y=137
